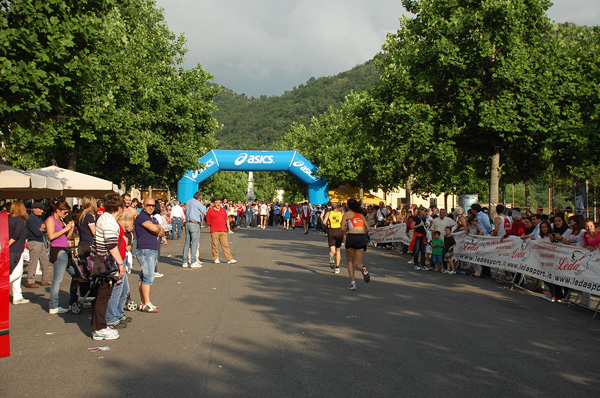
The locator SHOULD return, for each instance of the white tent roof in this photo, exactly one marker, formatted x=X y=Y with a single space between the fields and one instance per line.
x=19 y=184
x=77 y=184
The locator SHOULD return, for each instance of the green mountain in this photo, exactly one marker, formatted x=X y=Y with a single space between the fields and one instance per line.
x=256 y=123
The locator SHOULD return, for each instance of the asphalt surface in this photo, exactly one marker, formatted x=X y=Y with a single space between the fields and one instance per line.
x=279 y=323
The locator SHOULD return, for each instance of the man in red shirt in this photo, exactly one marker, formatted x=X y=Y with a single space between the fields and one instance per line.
x=216 y=219
x=293 y=215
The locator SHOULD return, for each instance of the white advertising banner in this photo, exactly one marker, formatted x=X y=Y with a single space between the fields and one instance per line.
x=563 y=265
x=391 y=233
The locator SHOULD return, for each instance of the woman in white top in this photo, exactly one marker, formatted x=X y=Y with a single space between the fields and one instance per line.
x=264 y=214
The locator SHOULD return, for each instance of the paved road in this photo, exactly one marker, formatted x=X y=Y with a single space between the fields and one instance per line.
x=281 y=324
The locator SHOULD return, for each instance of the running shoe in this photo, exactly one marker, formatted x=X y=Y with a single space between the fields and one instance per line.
x=352 y=286
x=564 y=301
x=417 y=267
x=197 y=264
x=366 y=275
x=337 y=270
x=425 y=268
x=158 y=275
x=217 y=261
x=410 y=262
x=232 y=261
x=331 y=262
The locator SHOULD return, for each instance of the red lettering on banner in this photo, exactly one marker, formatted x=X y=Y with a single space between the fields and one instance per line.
x=470 y=247
x=518 y=253
x=565 y=265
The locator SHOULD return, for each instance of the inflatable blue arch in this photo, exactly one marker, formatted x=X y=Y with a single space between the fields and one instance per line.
x=291 y=161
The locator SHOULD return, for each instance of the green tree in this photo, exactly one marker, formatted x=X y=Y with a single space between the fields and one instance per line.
x=467 y=75
x=137 y=112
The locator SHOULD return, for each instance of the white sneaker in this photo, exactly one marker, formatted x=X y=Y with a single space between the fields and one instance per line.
x=232 y=261
x=186 y=264
x=105 y=334
x=158 y=275
x=59 y=310
x=217 y=261
x=230 y=232
x=337 y=270
x=20 y=301
x=417 y=267
x=411 y=262
x=197 y=264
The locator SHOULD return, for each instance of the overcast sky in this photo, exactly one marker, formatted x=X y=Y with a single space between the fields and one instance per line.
x=270 y=46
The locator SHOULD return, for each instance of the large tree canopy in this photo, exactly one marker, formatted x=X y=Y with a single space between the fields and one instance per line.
x=99 y=85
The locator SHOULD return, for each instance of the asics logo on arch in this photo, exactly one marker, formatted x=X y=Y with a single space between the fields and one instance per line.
x=254 y=159
x=304 y=169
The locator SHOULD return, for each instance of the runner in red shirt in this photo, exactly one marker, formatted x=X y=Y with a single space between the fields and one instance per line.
x=293 y=215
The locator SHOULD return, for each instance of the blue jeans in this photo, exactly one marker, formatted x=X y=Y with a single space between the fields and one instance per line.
x=248 y=218
x=147 y=259
x=176 y=228
x=116 y=304
x=419 y=247
x=60 y=266
x=192 y=237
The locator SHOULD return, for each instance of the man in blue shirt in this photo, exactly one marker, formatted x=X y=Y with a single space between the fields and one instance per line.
x=194 y=209
x=482 y=219
x=277 y=213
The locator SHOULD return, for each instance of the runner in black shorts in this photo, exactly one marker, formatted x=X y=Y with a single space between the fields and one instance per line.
x=356 y=228
x=335 y=236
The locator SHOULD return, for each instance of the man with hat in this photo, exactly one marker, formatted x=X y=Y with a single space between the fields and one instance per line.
x=35 y=243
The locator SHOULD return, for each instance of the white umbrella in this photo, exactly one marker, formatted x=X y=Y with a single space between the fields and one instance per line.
x=77 y=184
x=19 y=184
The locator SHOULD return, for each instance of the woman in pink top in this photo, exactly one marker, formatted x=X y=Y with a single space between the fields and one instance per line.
x=59 y=234
x=591 y=240
x=591 y=237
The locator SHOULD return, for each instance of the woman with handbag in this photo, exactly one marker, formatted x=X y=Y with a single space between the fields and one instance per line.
x=106 y=251
x=59 y=234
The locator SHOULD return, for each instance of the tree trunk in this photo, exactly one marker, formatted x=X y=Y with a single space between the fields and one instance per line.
x=72 y=162
x=123 y=186
x=408 y=192
x=527 y=194
x=361 y=193
x=446 y=201
x=495 y=179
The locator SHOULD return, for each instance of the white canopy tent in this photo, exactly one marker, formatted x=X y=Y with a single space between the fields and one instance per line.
x=75 y=184
x=19 y=184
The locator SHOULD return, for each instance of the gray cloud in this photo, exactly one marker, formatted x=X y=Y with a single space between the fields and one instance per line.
x=270 y=46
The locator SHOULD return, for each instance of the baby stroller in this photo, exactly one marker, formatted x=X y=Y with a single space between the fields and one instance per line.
x=85 y=285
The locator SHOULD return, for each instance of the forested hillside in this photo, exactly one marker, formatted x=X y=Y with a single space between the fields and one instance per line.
x=256 y=123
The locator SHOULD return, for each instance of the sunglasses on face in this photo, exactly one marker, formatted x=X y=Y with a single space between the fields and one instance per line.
x=150 y=205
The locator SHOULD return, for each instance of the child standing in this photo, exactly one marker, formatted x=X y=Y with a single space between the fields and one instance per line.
x=437 y=251
x=473 y=228
x=449 y=244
